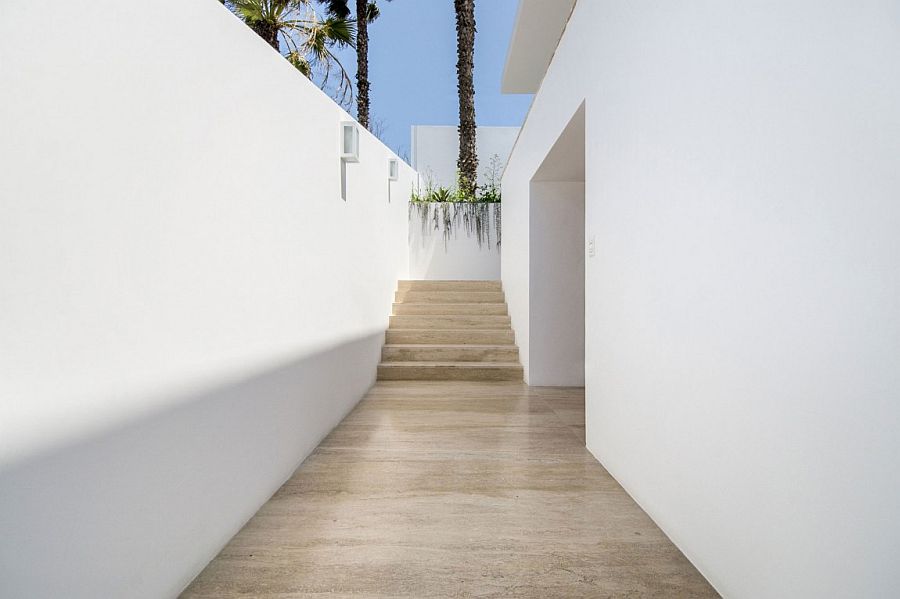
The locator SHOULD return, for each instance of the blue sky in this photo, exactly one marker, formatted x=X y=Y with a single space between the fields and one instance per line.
x=412 y=66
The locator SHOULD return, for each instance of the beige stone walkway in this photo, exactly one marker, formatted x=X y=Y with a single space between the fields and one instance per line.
x=451 y=489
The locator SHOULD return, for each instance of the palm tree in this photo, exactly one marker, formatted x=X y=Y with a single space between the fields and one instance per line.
x=366 y=12
x=293 y=28
x=465 y=51
x=362 y=59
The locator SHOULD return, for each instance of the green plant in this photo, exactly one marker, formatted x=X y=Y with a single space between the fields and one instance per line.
x=464 y=193
x=448 y=210
x=490 y=191
x=442 y=194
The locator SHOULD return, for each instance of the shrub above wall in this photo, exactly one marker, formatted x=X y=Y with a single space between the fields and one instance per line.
x=447 y=209
x=455 y=235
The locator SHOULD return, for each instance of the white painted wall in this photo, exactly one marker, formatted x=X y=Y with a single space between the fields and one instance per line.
x=459 y=258
x=186 y=304
x=556 y=283
x=741 y=311
x=435 y=150
x=434 y=153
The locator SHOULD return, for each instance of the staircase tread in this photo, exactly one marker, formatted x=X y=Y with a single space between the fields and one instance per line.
x=487 y=317
x=458 y=364
x=454 y=304
x=447 y=345
x=450 y=330
x=462 y=330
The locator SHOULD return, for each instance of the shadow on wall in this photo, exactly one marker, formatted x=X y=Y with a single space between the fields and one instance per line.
x=140 y=510
x=557 y=261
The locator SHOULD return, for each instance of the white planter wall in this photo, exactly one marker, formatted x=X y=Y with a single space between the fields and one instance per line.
x=434 y=154
x=187 y=305
x=742 y=329
x=460 y=257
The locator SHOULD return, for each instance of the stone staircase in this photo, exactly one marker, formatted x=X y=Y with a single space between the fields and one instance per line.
x=450 y=330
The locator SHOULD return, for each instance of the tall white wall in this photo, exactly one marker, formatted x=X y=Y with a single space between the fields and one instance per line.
x=741 y=310
x=187 y=306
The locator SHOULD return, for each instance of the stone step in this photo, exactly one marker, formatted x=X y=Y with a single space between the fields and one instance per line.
x=449 y=297
x=449 y=322
x=450 y=330
x=449 y=353
x=449 y=371
x=430 y=308
x=450 y=337
x=449 y=286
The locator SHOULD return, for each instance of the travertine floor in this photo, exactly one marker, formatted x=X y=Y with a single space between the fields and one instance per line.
x=453 y=490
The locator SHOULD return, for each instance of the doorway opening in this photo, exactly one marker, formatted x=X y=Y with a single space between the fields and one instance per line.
x=556 y=262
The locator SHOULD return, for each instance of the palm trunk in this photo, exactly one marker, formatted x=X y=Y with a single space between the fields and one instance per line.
x=362 y=63
x=267 y=32
x=465 y=48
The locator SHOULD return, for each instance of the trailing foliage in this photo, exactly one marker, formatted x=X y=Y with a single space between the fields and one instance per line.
x=446 y=209
x=475 y=218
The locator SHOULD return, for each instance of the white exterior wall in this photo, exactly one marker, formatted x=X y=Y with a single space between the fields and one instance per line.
x=742 y=329
x=187 y=306
x=459 y=258
x=435 y=150
x=556 y=284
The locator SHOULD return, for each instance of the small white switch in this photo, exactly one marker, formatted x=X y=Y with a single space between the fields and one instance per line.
x=591 y=249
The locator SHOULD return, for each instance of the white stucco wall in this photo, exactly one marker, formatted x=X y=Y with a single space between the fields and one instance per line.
x=460 y=257
x=434 y=153
x=741 y=310
x=556 y=284
x=187 y=306
x=435 y=150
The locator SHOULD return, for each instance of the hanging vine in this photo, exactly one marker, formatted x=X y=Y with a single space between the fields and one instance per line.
x=481 y=219
x=447 y=209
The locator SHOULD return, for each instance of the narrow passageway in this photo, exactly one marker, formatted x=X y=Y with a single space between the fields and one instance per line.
x=453 y=489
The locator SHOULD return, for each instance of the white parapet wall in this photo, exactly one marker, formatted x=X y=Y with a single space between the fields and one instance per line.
x=436 y=256
x=434 y=154
x=742 y=274
x=187 y=304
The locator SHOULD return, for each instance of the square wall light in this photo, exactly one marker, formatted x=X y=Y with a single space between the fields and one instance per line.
x=349 y=141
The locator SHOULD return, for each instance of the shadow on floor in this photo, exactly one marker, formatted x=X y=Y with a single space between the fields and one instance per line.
x=139 y=510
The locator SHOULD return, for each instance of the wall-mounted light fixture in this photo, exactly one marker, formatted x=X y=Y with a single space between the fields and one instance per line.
x=349 y=141
x=349 y=151
x=393 y=169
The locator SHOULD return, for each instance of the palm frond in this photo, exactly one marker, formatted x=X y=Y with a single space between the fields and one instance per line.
x=303 y=37
x=372 y=12
x=337 y=8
